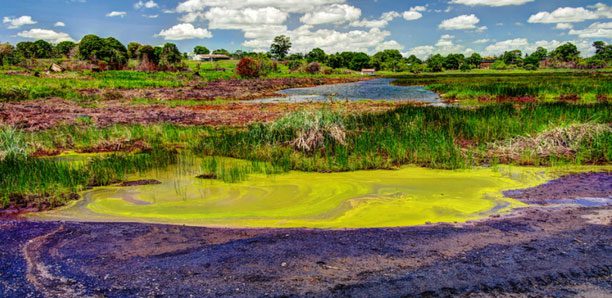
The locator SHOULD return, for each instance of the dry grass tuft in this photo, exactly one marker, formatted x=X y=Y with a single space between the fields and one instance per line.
x=562 y=141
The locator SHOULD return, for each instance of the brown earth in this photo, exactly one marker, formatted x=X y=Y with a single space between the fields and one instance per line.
x=555 y=251
x=35 y=115
x=221 y=89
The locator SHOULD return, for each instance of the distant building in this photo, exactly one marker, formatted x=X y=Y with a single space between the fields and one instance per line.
x=368 y=71
x=486 y=63
x=210 y=57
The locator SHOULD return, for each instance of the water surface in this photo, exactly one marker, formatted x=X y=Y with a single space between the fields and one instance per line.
x=377 y=89
x=363 y=199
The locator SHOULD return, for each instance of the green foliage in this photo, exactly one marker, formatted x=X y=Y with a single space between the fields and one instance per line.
x=170 y=57
x=64 y=48
x=499 y=65
x=109 y=51
x=387 y=60
x=566 y=53
x=539 y=85
x=316 y=55
x=435 y=63
x=221 y=52
x=280 y=46
x=426 y=136
x=132 y=49
x=201 y=50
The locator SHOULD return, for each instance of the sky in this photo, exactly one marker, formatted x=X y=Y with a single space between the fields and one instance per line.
x=489 y=27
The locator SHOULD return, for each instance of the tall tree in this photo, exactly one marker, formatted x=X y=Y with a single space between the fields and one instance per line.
x=316 y=55
x=201 y=50
x=64 y=48
x=43 y=49
x=567 y=52
x=281 y=46
x=132 y=49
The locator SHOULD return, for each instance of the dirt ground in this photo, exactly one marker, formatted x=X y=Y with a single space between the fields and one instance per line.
x=33 y=115
x=546 y=250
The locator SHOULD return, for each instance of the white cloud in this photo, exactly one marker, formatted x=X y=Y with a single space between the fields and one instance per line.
x=484 y=40
x=116 y=14
x=414 y=13
x=291 y=6
x=595 y=30
x=151 y=16
x=45 y=34
x=59 y=24
x=334 y=14
x=148 y=4
x=564 y=26
x=491 y=2
x=384 y=20
x=324 y=23
x=445 y=45
x=184 y=31
x=14 y=23
x=572 y=14
x=389 y=45
x=463 y=22
x=225 y=18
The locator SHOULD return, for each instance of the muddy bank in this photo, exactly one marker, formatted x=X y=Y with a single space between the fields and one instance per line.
x=220 y=89
x=36 y=115
x=44 y=114
x=560 y=251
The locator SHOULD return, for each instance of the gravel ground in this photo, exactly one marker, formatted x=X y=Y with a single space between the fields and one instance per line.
x=558 y=250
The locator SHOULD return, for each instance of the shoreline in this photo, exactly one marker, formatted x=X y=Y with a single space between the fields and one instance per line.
x=538 y=250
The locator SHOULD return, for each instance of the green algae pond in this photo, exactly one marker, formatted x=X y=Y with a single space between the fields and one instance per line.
x=362 y=199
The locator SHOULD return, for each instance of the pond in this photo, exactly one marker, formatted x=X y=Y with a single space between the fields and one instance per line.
x=376 y=89
x=362 y=199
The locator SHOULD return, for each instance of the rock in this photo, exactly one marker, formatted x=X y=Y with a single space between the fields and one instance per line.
x=56 y=68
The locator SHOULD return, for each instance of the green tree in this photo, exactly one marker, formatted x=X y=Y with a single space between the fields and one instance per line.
x=221 y=52
x=567 y=53
x=170 y=57
x=108 y=50
x=454 y=61
x=435 y=63
x=63 y=48
x=359 y=61
x=7 y=54
x=132 y=49
x=316 y=55
x=387 y=60
x=514 y=57
x=603 y=51
x=26 y=49
x=413 y=60
x=474 y=60
x=42 y=49
x=280 y=46
x=201 y=50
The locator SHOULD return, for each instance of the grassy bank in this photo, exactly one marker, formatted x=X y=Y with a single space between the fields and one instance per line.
x=495 y=86
x=323 y=141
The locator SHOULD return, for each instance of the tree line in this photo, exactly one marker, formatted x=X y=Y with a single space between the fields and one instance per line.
x=110 y=53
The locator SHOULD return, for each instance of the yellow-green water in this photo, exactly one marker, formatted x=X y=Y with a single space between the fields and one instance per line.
x=405 y=197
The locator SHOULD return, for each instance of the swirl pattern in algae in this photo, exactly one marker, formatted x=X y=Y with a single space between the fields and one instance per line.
x=363 y=199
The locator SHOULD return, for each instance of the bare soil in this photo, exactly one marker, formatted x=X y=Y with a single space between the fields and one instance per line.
x=38 y=115
x=554 y=251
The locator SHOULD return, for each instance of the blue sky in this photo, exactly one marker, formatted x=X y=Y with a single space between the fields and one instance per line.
x=414 y=27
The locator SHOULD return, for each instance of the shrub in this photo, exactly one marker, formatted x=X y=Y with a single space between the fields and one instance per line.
x=294 y=65
x=530 y=67
x=248 y=68
x=499 y=65
x=313 y=68
x=14 y=93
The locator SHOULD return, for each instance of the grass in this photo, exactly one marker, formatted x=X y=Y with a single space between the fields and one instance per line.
x=27 y=180
x=448 y=138
x=543 y=86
